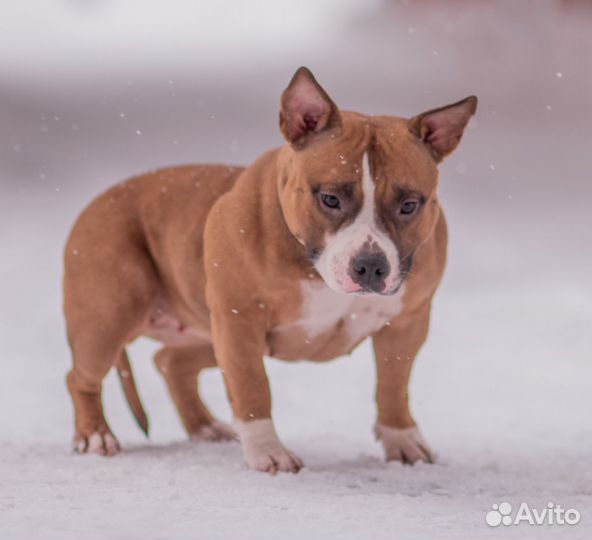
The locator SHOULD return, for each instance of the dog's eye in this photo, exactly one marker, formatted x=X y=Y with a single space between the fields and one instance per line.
x=330 y=201
x=409 y=207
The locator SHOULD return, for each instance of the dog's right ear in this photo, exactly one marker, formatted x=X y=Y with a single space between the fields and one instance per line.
x=306 y=109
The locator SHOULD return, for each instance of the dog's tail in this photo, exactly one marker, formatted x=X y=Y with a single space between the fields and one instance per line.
x=126 y=377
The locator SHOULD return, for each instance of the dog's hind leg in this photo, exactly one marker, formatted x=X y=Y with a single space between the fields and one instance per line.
x=180 y=367
x=92 y=434
x=95 y=350
x=109 y=288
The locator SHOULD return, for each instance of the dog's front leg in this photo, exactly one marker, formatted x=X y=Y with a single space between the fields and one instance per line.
x=239 y=342
x=395 y=347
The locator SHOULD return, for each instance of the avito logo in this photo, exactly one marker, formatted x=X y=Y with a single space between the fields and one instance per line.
x=552 y=514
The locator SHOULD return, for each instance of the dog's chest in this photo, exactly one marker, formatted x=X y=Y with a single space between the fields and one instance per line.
x=356 y=317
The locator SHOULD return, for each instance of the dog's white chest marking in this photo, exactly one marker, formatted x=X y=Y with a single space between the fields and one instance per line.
x=360 y=316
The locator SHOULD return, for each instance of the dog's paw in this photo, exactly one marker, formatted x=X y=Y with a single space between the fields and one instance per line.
x=263 y=450
x=104 y=444
x=214 y=431
x=272 y=459
x=405 y=445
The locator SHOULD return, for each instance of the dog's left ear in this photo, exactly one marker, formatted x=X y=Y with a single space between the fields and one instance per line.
x=441 y=129
x=306 y=109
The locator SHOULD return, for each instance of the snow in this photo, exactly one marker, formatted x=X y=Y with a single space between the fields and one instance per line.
x=506 y=411
x=501 y=390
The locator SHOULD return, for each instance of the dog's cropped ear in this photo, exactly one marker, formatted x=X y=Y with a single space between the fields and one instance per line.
x=306 y=109
x=441 y=129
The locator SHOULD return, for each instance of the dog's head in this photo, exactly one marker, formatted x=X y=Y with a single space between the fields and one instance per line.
x=359 y=192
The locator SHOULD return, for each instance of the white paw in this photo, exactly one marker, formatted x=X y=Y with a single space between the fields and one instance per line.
x=215 y=431
x=263 y=450
x=104 y=444
x=405 y=445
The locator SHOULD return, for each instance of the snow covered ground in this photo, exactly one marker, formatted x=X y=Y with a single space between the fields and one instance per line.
x=502 y=389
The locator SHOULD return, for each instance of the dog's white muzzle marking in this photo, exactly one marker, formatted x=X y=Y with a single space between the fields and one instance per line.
x=342 y=247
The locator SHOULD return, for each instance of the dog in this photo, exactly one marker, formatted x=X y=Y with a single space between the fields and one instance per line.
x=334 y=237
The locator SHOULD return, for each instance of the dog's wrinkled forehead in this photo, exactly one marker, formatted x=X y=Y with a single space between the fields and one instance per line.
x=338 y=157
x=380 y=149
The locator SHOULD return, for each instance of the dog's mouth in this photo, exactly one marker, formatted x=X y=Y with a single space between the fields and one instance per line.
x=358 y=290
x=390 y=291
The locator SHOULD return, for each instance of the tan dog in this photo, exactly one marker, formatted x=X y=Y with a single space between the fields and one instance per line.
x=332 y=238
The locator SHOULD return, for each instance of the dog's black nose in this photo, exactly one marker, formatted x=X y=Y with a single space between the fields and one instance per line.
x=370 y=270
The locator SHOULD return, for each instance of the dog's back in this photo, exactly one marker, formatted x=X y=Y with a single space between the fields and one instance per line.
x=126 y=223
